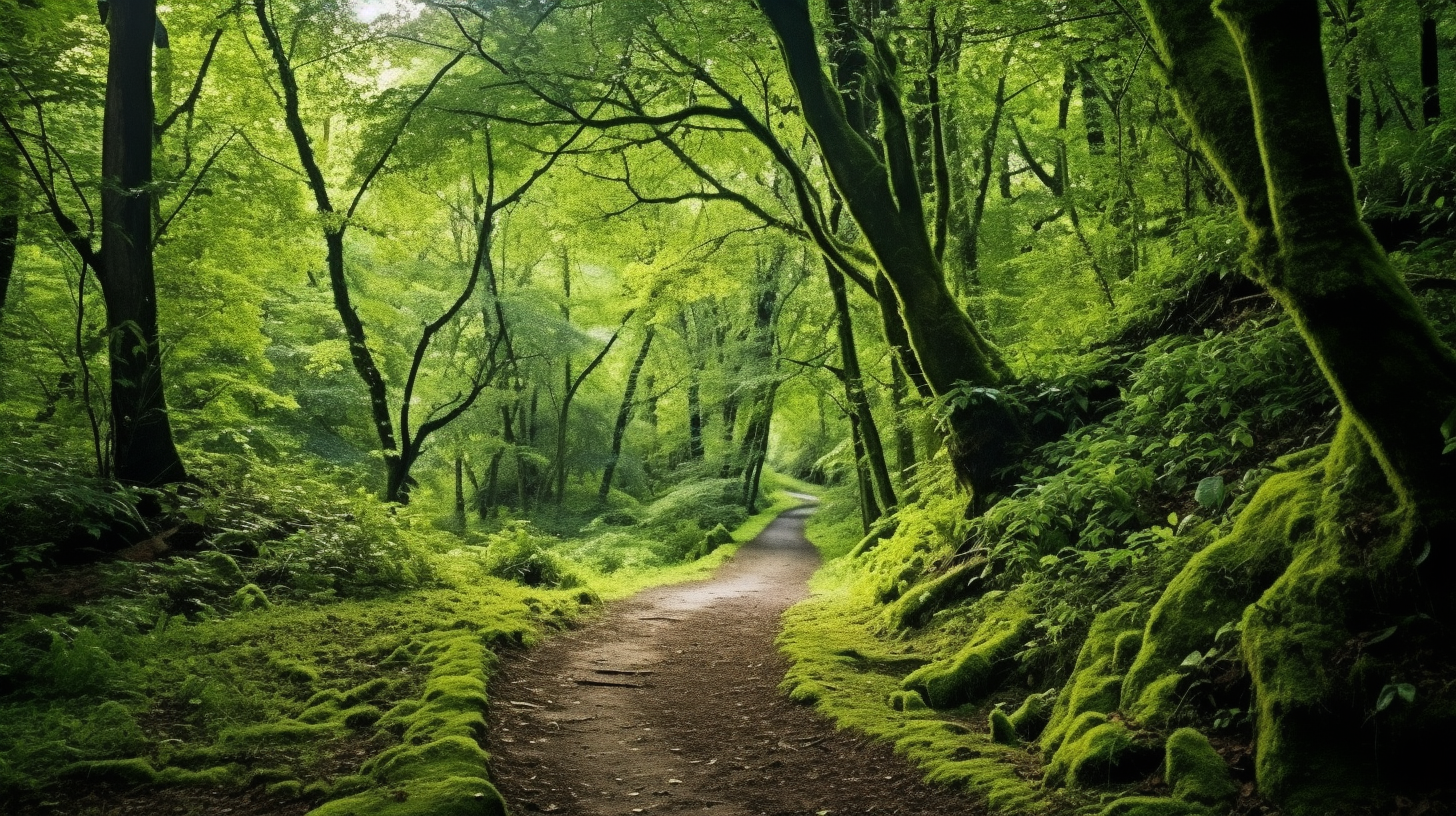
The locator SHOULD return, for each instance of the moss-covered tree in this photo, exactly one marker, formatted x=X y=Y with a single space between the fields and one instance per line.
x=1352 y=541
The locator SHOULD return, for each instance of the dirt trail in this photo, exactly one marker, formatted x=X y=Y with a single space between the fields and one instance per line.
x=669 y=703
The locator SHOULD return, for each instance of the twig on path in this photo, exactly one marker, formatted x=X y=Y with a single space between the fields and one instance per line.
x=611 y=683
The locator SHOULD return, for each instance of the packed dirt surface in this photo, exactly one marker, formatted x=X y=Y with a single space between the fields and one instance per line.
x=670 y=703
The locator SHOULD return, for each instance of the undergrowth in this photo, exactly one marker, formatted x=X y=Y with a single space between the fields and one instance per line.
x=916 y=636
x=274 y=629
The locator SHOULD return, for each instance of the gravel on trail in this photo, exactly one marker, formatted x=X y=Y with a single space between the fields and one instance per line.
x=669 y=703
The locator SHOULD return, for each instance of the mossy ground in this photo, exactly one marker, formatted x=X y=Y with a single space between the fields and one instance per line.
x=373 y=706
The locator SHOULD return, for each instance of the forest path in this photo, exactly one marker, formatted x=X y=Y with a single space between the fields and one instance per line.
x=668 y=703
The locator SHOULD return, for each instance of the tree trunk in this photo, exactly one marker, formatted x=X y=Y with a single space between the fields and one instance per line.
x=1258 y=102
x=940 y=162
x=333 y=230
x=624 y=415
x=896 y=336
x=460 y=489
x=885 y=201
x=854 y=392
x=970 y=242
x=564 y=415
x=1430 y=70
x=144 y=452
x=755 y=447
x=695 y=417
x=904 y=436
x=869 y=509
x=1092 y=112
x=491 y=495
x=1354 y=108
x=9 y=216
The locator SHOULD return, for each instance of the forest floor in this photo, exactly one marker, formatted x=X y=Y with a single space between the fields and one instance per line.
x=669 y=702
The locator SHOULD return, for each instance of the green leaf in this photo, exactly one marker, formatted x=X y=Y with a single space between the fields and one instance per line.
x=1210 y=492
x=1383 y=634
x=1193 y=659
x=1387 y=696
x=1173 y=520
x=1406 y=692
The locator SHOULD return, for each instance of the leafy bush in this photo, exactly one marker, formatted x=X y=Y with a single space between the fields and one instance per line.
x=516 y=555
x=709 y=502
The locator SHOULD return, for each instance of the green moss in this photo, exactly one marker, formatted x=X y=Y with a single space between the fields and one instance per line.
x=806 y=693
x=1153 y=806
x=1311 y=753
x=901 y=700
x=468 y=796
x=222 y=776
x=365 y=692
x=1125 y=650
x=1105 y=754
x=1095 y=685
x=917 y=604
x=1195 y=771
x=223 y=565
x=1215 y=587
x=287 y=789
x=975 y=670
x=345 y=785
x=293 y=670
x=883 y=529
x=109 y=731
x=451 y=756
x=285 y=732
x=1002 y=731
x=1031 y=716
x=250 y=596
x=134 y=771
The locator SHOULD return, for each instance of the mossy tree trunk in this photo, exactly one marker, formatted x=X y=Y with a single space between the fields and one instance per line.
x=882 y=192
x=870 y=448
x=1351 y=542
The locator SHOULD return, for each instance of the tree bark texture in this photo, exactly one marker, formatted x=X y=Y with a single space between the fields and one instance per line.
x=884 y=199
x=624 y=414
x=854 y=392
x=144 y=451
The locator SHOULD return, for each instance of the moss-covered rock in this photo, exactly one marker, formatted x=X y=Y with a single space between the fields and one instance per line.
x=1002 y=731
x=250 y=596
x=286 y=789
x=1195 y=771
x=469 y=796
x=133 y=771
x=1030 y=718
x=1106 y=754
x=976 y=669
